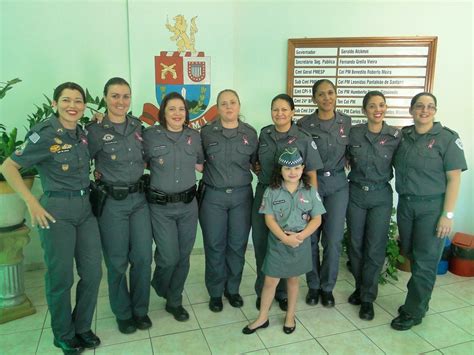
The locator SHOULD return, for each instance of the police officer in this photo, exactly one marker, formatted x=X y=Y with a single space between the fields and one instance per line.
x=370 y=152
x=428 y=165
x=125 y=227
x=230 y=148
x=330 y=132
x=173 y=151
x=57 y=148
x=274 y=139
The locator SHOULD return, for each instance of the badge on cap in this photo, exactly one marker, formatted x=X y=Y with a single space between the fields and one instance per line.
x=65 y=167
x=459 y=143
x=34 y=137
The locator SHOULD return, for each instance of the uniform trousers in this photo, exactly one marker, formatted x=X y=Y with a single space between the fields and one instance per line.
x=225 y=218
x=331 y=232
x=125 y=230
x=260 y=242
x=368 y=221
x=417 y=222
x=74 y=236
x=174 y=231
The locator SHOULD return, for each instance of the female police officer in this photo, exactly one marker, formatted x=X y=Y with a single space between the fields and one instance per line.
x=230 y=148
x=370 y=152
x=173 y=151
x=274 y=139
x=330 y=131
x=428 y=165
x=116 y=145
x=57 y=147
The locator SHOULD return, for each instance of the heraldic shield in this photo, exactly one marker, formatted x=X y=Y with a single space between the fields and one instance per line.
x=187 y=74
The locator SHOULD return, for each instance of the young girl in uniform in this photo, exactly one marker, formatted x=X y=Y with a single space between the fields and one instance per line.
x=292 y=209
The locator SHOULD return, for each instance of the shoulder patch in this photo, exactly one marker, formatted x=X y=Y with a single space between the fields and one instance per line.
x=459 y=143
x=315 y=147
x=34 y=137
x=450 y=130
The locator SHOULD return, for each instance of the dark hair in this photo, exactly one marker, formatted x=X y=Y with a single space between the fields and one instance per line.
x=417 y=96
x=115 y=81
x=164 y=103
x=277 y=179
x=71 y=86
x=227 y=90
x=369 y=95
x=319 y=82
x=286 y=98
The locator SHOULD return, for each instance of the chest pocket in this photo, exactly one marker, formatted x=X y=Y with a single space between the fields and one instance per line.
x=213 y=150
x=245 y=151
x=190 y=154
x=160 y=156
x=280 y=209
x=430 y=158
x=113 y=151
x=66 y=160
x=342 y=140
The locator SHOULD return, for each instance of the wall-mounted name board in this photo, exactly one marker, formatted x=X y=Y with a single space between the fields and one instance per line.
x=400 y=67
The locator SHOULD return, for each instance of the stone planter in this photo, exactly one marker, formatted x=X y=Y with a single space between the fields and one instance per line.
x=13 y=208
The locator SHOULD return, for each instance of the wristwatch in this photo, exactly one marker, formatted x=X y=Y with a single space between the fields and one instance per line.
x=449 y=215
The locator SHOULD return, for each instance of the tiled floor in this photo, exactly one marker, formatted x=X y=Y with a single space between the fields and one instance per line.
x=448 y=328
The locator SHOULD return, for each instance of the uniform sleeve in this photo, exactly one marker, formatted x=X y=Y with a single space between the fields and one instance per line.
x=267 y=201
x=36 y=149
x=147 y=144
x=318 y=207
x=94 y=143
x=313 y=160
x=254 y=156
x=454 y=158
x=200 y=152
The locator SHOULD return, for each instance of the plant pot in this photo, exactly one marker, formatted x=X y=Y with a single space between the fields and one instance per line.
x=13 y=207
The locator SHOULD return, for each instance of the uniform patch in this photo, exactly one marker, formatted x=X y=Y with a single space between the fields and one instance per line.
x=84 y=140
x=138 y=136
x=277 y=202
x=291 y=140
x=113 y=157
x=341 y=131
x=432 y=142
x=302 y=200
x=315 y=147
x=65 y=167
x=34 y=137
x=55 y=148
x=383 y=141
x=245 y=140
x=57 y=140
x=60 y=130
x=161 y=161
x=459 y=143
x=189 y=141
x=66 y=146
x=108 y=137
x=305 y=216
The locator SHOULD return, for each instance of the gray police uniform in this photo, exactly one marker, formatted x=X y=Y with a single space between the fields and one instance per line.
x=172 y=157
x=292 y=212
x=271 y=144
x=421 y=163
x=125 y=225
x=331 y=137
x=62 y=160
x=370 y=203
x=225 y=211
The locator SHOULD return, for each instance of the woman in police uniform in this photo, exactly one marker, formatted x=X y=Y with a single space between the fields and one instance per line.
x=330 y=131
x=57 y=148
x=230 y=148
x=173 y=152
x=115 y=144
x=274 y=139
x=371 y=148
x=428 y=166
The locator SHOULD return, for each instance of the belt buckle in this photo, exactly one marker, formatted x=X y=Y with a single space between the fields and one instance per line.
x=365 y=188
x=229 y=190
x=327 y=173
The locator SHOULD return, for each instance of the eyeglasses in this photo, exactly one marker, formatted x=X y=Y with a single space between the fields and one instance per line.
x=421 y=107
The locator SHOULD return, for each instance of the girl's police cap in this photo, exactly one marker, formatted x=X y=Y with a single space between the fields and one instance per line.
x=290 y=157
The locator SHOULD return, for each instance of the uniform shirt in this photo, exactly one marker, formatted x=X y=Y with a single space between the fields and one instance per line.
x=229 y=154
x=272 y=143
x=60 y=156
x=118 y=151
x=292 y=211
x=421 y=161
x=371 y=155
x=172 y=158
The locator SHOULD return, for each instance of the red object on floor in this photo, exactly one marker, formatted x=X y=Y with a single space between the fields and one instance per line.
x=462 y=257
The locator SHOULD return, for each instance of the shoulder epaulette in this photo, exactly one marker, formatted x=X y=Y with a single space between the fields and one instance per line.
x=249 y=126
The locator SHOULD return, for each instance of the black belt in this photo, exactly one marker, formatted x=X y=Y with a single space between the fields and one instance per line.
x=162 y=198
x=331 y=172
x=227 y=190
x=131 y=188
x=70 y=193
x=417 y=198
x=371 y=187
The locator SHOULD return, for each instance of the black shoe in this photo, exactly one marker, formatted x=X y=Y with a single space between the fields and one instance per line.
x=235 y=299
x=327 y=299
x=142 y=323
x=312 y=298
x=247 y=330
x=283 y=303
x=215 y=304
x=404 y=321
x=354 y=298
x=179 y=313
x=69 y=346
x=126 y=326
x=288 y=330
x=257 y=303
x=88 y=339
x=366 y=311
